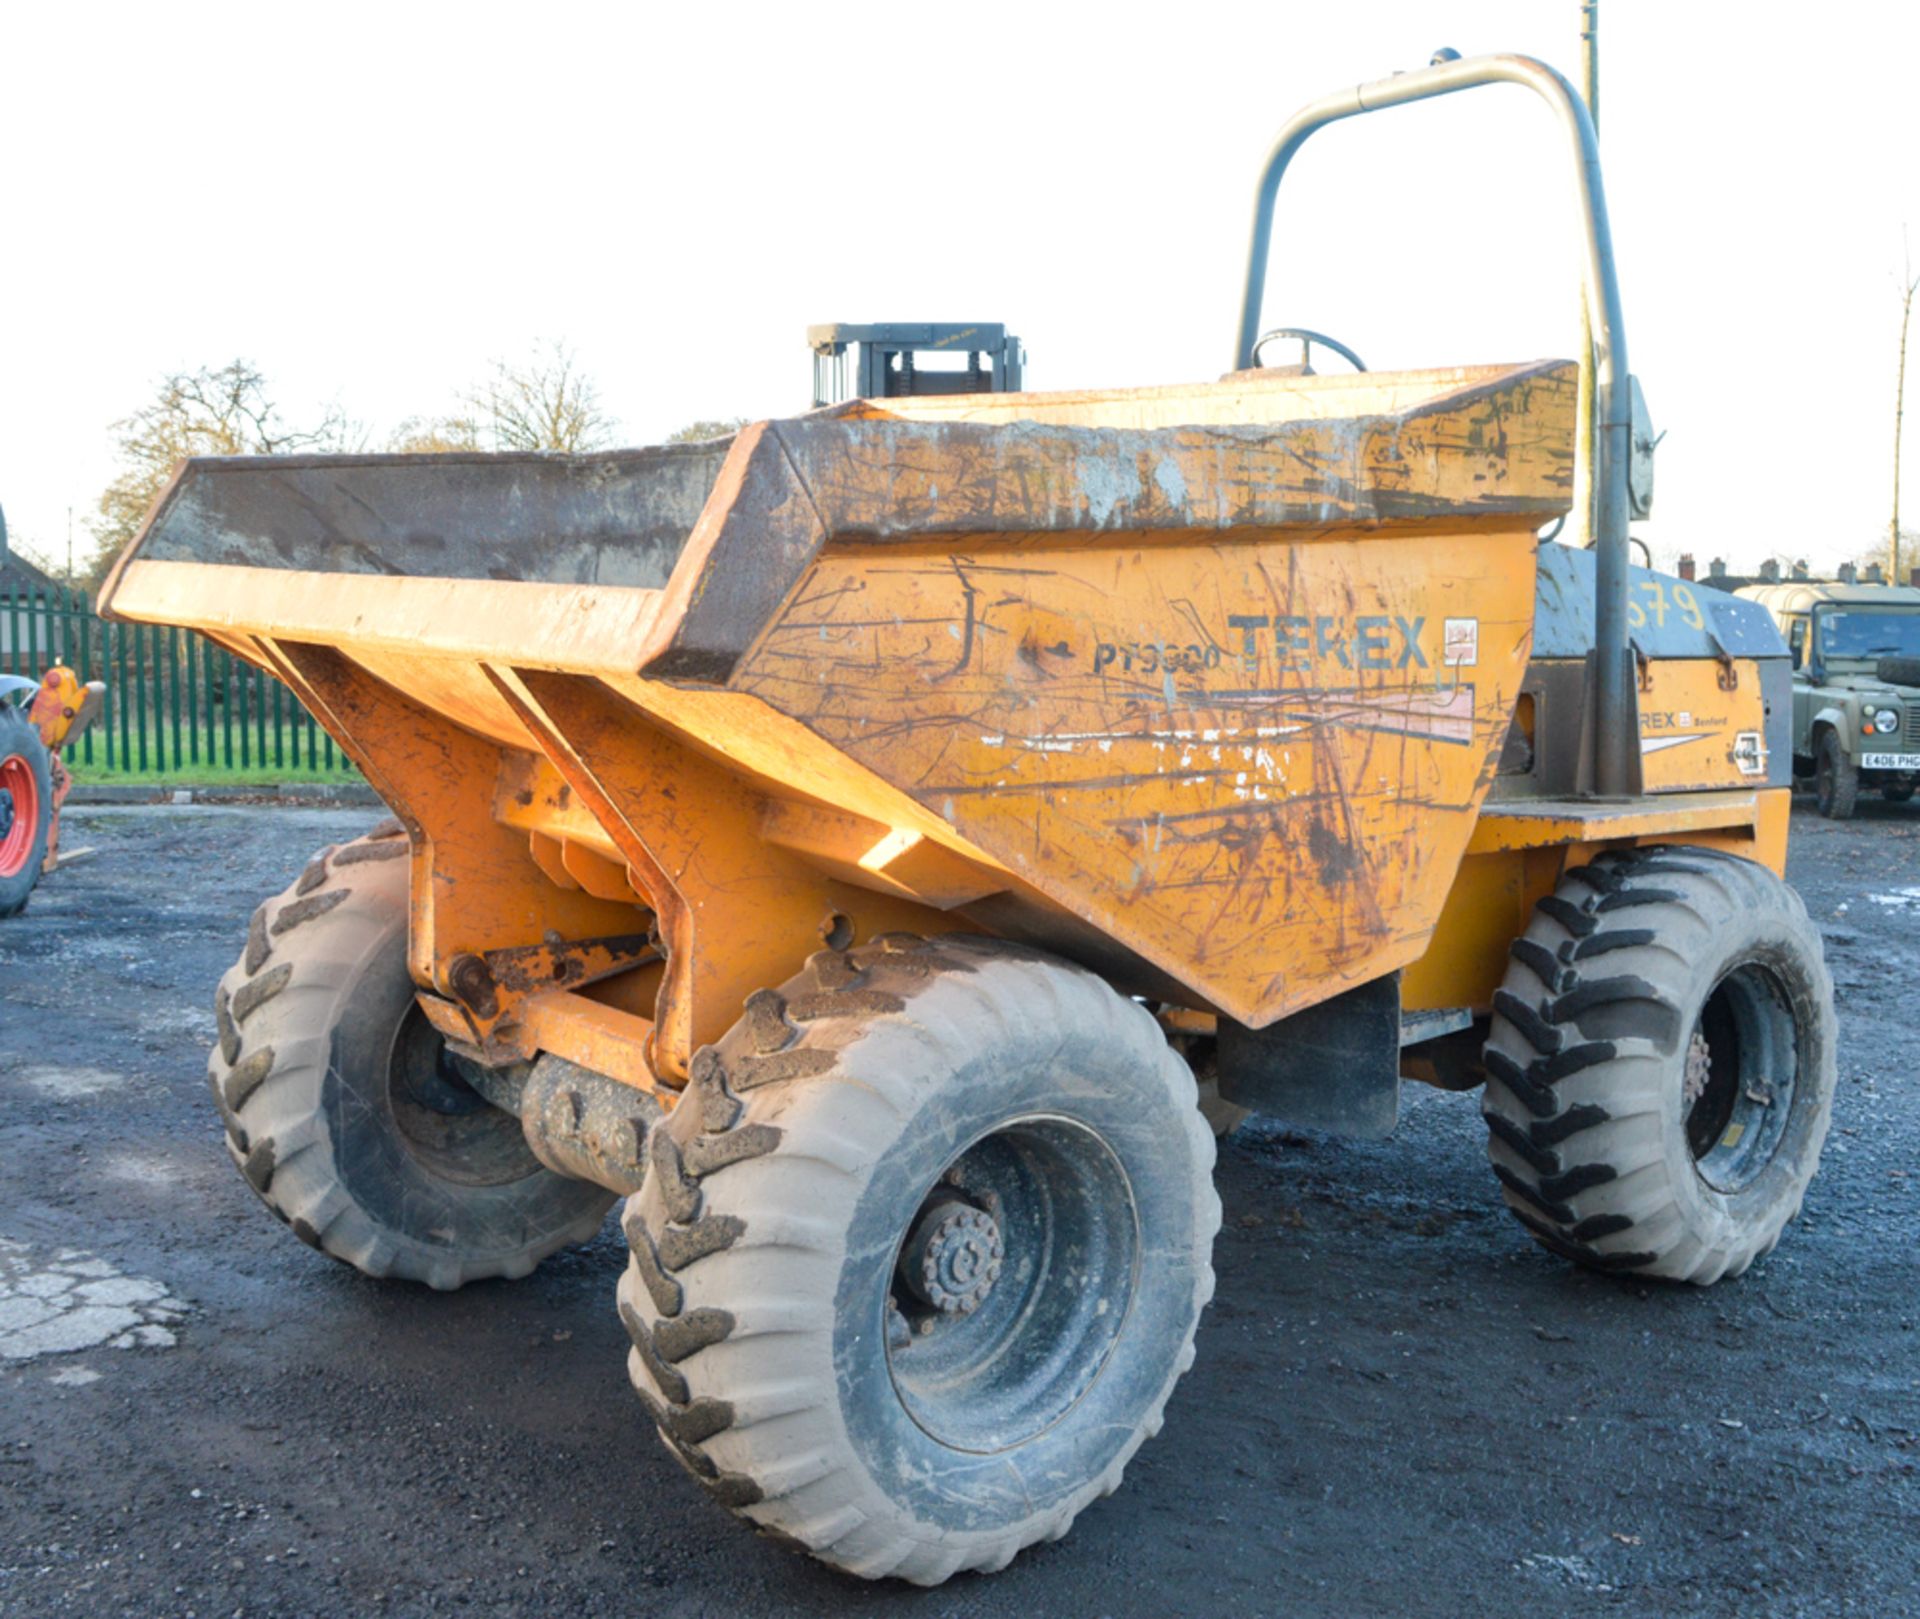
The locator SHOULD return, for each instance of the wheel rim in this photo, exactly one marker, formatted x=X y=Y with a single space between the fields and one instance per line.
x=19 y=814
x=1740 y=1076
x=1012 y=1281
x=447 y=1126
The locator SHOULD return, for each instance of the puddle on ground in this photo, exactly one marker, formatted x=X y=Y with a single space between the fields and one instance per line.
x=1900 y=899
x=69 y=1084
x=63 y=1301
x=196 y=1022
x=146 y=1168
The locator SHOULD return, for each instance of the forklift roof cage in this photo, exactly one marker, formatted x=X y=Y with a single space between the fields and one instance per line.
x=884 y=364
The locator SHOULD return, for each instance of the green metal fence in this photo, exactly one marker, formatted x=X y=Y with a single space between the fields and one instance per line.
x=176 y=703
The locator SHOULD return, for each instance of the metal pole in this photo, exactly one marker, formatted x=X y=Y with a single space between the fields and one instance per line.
x=1616 y=743
x=1616 y=746
x=1899 y=418
x=1583 y=513
x=1590 y=58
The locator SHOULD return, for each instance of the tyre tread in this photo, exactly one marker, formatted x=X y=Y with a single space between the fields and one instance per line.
x=1551 y=1142
x=785 y=1037
x=260 y=1068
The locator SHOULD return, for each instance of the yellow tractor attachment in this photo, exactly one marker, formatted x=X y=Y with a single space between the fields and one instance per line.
x=34 y=782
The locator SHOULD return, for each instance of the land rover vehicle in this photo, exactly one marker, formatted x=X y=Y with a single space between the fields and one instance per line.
x=1856 y=687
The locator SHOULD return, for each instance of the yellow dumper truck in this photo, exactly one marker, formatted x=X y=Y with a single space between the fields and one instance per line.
x=845 y=841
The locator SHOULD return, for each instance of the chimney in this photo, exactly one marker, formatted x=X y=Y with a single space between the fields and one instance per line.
x=1770 y=572
x=1848 y=573
x=1686 y=565
x=1874 y=575
x=1800 y=570
x=1717 y=568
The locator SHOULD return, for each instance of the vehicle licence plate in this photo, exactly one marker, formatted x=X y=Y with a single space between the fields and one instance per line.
x=1890 y=761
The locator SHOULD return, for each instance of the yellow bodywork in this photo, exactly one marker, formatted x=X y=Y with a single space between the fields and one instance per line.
x=1205 y=687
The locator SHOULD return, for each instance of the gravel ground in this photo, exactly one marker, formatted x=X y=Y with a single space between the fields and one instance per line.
x=1400 y=1407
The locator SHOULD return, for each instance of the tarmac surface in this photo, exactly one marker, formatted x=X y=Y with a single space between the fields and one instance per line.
x=1401 y=1406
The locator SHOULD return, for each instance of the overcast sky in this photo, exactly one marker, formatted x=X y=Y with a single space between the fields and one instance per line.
x=371 y=202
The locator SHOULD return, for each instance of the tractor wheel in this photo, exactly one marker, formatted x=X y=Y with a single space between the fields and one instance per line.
x=1836 y=779
x=920 y=1254
x=1661 y=1064
x=342 y=1109
x=26 y=808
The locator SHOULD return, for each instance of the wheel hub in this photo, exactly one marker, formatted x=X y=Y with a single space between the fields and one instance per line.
x=1741 y=1072
x=19 y=814
x=445 y=1124
x=953 y=1257
x=1015 y=1273
x=1699 y=1070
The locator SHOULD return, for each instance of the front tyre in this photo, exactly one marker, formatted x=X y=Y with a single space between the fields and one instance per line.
x=921 y=1252
x=342 y=1109
x=26 y=808
x=1661 y=1064
x=1836 y=780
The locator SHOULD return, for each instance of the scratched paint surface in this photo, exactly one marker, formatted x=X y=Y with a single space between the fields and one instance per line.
x=1254 y=761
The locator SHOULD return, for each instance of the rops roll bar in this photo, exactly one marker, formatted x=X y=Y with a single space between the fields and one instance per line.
x=1616 y=741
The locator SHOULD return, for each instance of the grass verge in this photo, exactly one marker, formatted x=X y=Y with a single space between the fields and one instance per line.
x=204 y=775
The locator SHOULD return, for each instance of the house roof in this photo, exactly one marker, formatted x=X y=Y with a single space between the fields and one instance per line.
x=16 y=572
x=1798 y=595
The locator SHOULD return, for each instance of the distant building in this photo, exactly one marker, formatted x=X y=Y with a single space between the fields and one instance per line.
x=1718 y=576
x=16 y=572
x=19 y=577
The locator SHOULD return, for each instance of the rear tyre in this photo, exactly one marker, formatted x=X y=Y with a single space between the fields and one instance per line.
x=920 y=1254
x=342 y=1110
x=1661 y=1064
x=26 y=808
x=1836 y=780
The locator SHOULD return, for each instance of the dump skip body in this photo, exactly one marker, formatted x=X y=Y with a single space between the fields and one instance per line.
x=1203 y=686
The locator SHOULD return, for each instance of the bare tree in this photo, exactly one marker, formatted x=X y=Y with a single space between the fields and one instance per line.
x=547 y=403
x=1909 y=284
x=212 y=411
x=699 y=432
x=1874 y=556
x=436 y=435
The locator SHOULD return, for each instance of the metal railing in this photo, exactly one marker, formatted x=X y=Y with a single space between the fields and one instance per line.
x=176 y=703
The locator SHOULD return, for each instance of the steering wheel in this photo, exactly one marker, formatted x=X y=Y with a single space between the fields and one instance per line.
x=1306 y=340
